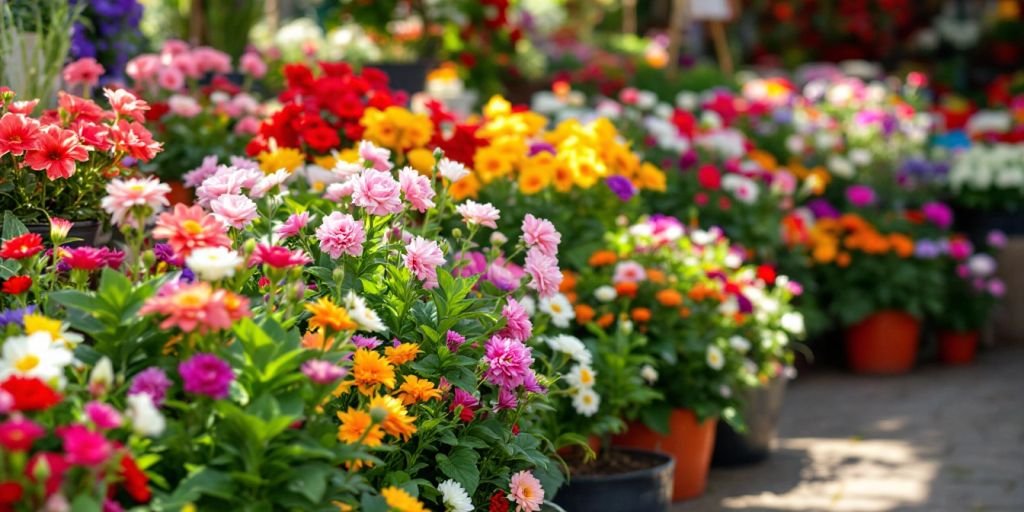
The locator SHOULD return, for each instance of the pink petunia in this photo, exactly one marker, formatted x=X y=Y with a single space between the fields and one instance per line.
x=416 y=188
x=422 y=257
x=541 y=233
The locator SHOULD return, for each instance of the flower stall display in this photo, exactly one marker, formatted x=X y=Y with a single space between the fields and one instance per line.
x=989 y=177
x=972 y=291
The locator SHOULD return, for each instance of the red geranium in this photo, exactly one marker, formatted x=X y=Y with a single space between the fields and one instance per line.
x=30 y=393
x=766 y=273
x=21 y=247
x=16 y=285
x=136 y=483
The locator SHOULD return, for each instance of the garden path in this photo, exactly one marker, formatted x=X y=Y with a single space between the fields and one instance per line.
x=942 y=439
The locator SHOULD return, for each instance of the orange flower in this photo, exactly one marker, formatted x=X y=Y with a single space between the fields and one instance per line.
x=328 y=315
x=852 y=222
x=641 y=315
x=397 y=423
x=655 y=276
x=824 y=253
x=669 y=298
x=572 y=297
x=843 y=259
x=626 y=289
x=606 y=320
x=355 y=425
x=415 y=390
x=370 y=369
x=568 y=281
x=584 y=313
x=402 y=354
x=700 y=291
x=602 y=258
x=314 y=340
x=684 y=312
x=901 y=244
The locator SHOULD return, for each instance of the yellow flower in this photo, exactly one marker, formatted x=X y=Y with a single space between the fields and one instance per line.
x=327 y=315
x=534 y=178
x=651 y=177
x=396 y=128
x=325 y=161
x=415 y=390
x=397 y=423
x=401 y=501
x=356 y=423
x=497 y=106
x=288 y=159
x=370 y=369
x=39 y=323
x=402 y=354
x=422 y=160
x=466 y=187
x=491 y=163
x=586 y=169
x=563 y=178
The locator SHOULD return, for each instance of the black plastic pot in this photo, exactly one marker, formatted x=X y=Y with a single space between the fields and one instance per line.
x=88 y=231
x=761 y=410
x=649 y=490
x=410 y=77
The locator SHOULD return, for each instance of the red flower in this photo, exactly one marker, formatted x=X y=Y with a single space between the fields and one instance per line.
x=83 y=258
x=18 y=133
x=18 y=434
x=21 y=247
x=724 y=203
x=56 y=153
x=499 y=502
x=709 y=177
x=16 y=285
x=136 y=483
x=80 y=109
x=298 y=76
x=766 y=273
x=10 y=494
x=30 y=393
x=135 y=139
x=321 y=138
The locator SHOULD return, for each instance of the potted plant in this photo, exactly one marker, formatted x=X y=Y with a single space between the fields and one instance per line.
x=35 y=38
x=972 y=291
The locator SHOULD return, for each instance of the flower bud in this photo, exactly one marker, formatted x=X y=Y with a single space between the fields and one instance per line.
x=378 y=415
x=456 y=233
x=498 y=239
x=102 y=377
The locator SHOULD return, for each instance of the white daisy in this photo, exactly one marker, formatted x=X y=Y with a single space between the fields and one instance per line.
x=739 y=344
x=581 y=376
x=715 y=358
x=454 y=497
x=144 y=415
x=35 y=355
x=605 y=293
x=559 y=309
x=586 y=402
x=571 y=346
x=213 y=263
x=361 y=314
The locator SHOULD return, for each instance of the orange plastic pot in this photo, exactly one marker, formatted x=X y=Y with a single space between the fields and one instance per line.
x=179 y=194
x=883 y=343
x=958 y=347
x=689 y=442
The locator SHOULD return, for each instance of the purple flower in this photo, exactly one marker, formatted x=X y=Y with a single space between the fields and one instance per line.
x=822 y=209
x=454 y=340
x=537 y=147
x=165 y=253
x=927 y=249
x=688 y=160
x=322 y=372
x=996 y=287
x=506 y=400
x=938 y=213
x=367 y=342
x=861 y=195
x=746 y=307
x=621 y=186
x=517 y=321
x=508 y=362
x=153 y=382
x=996 y=239
x=15 y=316
x=207 y=374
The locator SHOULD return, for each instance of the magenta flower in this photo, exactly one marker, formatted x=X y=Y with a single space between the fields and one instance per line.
x=102 y=415
x=206 y=374
x=339 y=234
x=17 y=434
x=278 y=257
x=474 y=213
x=83 y=447
x=544 y=273
x=517 y=321
x=468 y=403
x=376 y=156
x=377 y=191
x=294 y=225
x=506 y=400
x=861 y=195
x=996 y=239
x=153 y=382
x=541 y=233
x=960 y=248
x=416 y=188
x=422 y=257
x=996 y=287
x=508 y=362
x=454 y=340
x=367 y=342
x=938 y=213
x=322 y=372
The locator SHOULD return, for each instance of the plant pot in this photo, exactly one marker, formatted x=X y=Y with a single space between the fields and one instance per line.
x=883 y=343
x=87 y=231
x=179 y=194
x=761 y=410
x=958 y=347
x=410 y=77
x=689 y=442
x=648 y=489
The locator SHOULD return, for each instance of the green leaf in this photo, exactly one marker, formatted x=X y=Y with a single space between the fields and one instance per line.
x=311 y=481
x=655 y=416
x=460 y=465
x=12 y=226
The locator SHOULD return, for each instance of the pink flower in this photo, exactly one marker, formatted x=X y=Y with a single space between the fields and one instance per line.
x=468 y=403
x=56 y=152
x=629 y=271
x=474 y=213
x=126 y=105
x=226 y=180
x=207 y=374
x=960 y=248
x=211 y=60
x=170 y=79
x=188 y=228
x=135 y=139
x=996 y=287
x=93 y=134
x=143 y=68
x=252 y=64
x=376 y=191
x=454 y=340
x=422 y=257
x=541 y=233
x=293 y=225
x=508 y=362
x=59 y=228
x=80 y=109
x=339 y=234
x=187 y=64
x=322 y=372
x=247 y=125
x=18 y=434
x=196 y=307
x=23 y=107
x=278 y=257
x=517 y=321
x=18 y=133
x=337 y=191
x=526 y=492
x=102 y=415
x=544 y=273
x=197 y=176
x=126 y=198
x=83 y=447
x=235 y=210
x=507 y=400
x=416 y=188
x=174 y=47
x=274 y=180
x=153 y=382
x=86 y=72
x=184 y=106
x=377 y=156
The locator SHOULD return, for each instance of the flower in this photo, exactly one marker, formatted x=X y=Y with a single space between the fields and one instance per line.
x=422 y=257
x=196 y=306
x=541 y=233
x=213 y=263
x=377 y=191
x=134 y=480
x=571 y=346
x=16 y=285
x=328 y=315
x=206 y=374
x=126 y=104
x=292 y=226
x=397 y=421
x=288 y=159
x=83 y=447
x=415 y=390
x=144 y=415
x=517 y=321
x=416 y=188
x=544 y=273
x=18 y=133
x=452 y=170
x=996 y=287
x=35 y=355
x=85 y=71
x=996 y=239
x=467 y=402
x=152 y=382
x=861 y=195
x=366 y=318
x=82 y=258
x=21 y=247
x=586 y=401
x=629 y=271
x=56 y=152
x=454 y=340
x=235 y=210
x=340 y=233
x=377 y=157
x=559 y=308
x=714 y=357
x=605 y=293
x=278 y=257
x=649 y=374
x=454 y=497
x=401 y=353
x=188 y=228
x=134 y=139
x=57 y=330
x=581 y=376
x=30 y=393
x=499 y=502
x=17 y=434
x=400 y=501
x=981 y=265
x=474 y=213
x=621 y=186
x=102 y=415
x=938 y=213
x=101 y=377
x=322 y=372
x=370 y=369
x=526 y=492
x=357 y=427
x=508 y=362
x=252 y=64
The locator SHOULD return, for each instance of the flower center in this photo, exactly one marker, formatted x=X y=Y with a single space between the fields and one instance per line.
x=27 y=363
x=192 y=227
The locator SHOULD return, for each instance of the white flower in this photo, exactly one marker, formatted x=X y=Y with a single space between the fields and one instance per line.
x=454 y=497
x=268 y=182
x=558 y=308
x=701 y=237
x=146 y=418
x=795 y=144
x=729 y=307
x=739 y=344
x=840 y=166
x=605 y=293
x=687 y=100
x=102 y=375
x=742 y=188
x=649 y=374
x=630 y=271
x=213 y=263
x=725 y=391
x=733 y=260
x=498 y=239
x=363 y=315
x=451 y=170
x=981 y=265
x=793 y=322
x=646 y=100
x=571 y=346
x=750 y=366
x=714 y=357
x=529 y=305
x=586 y=402
x=35 y=355
x=581 y=376
x=860 y=156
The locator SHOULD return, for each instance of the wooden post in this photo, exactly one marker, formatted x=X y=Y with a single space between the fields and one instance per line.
x=195 y=23
x=629 y=23
x=677 y=24
x=721 y=41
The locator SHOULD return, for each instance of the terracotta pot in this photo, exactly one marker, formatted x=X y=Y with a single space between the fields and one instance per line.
x=958 y=347
x=883 y=343
x=179 y=194
x=689 y=442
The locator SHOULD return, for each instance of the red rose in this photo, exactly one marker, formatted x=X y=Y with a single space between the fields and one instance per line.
x=336 y=69
x=766 y=273
x=17 y=285
x=709 y=177
x=499 y=502
x=21 y=247
x=321 y=138
x=136 y=483
x=30 y=393
x=10 y=493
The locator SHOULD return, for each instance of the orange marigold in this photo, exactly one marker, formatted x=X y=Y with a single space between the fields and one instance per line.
x=370 y=369
x=327 y=315
x=401 y=354
x=901 y=244
x=568 y=281
x=606 y=320
x=602 y=258
x=627 y=289
x=669 y=298
x=414 y=390
x=397 y=423
x=584 y=313
x=641 y=315
x=655 y=276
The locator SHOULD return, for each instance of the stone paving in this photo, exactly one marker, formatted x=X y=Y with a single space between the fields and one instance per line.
x=942 y=439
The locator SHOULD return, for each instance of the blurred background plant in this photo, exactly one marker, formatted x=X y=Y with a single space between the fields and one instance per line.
x=34 y=45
